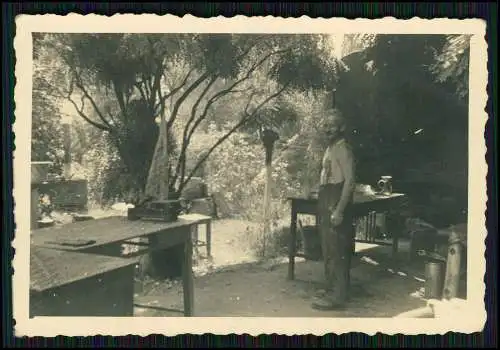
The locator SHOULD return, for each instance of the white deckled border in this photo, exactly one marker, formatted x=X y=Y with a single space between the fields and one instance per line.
x=150 y=23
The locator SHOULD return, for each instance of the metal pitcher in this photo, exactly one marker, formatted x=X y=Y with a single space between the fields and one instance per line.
x=385 y=185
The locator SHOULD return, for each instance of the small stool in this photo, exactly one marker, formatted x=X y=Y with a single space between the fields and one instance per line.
x=202 y=220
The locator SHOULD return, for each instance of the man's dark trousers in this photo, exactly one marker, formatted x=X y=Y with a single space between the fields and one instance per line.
x=337 y=243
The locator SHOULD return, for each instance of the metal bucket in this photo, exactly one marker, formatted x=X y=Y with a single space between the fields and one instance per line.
x=312 y=243
x=434 y=279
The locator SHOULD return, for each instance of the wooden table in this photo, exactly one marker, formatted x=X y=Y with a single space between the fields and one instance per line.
x=107 y=236
x=363 y=204
x=202 y=220
x=57 y=279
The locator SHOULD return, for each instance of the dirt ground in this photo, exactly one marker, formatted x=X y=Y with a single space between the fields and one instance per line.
x=235 y=283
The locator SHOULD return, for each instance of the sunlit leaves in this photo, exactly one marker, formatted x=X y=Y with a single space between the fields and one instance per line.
x=218 y=77
x=403 y=55
x=306 y=64
x=452 y=63
x=219 y=55
x=46 y=129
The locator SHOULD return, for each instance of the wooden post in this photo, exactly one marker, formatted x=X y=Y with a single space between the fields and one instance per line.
x=452 y=278
x=34 y=207
x=292 y=243
x=269 y=137
x=164 y=172
x=39 y=172
x=187 y=278
x=67 y=151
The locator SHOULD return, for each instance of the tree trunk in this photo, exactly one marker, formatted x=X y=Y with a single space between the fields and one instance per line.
x=157 y=185
x=162 y=263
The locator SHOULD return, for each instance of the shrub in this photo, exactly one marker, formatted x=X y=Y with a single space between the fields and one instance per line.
x=102 y=170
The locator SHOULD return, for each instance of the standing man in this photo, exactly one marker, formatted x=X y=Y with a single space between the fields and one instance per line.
x=335 y=197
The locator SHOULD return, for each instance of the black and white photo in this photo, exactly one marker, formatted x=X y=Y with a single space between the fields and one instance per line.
x=307 y=177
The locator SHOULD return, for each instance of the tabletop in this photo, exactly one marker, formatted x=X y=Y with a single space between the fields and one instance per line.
x=99 y=232
x=50 y=268
x=358 y=197
x=195 y=217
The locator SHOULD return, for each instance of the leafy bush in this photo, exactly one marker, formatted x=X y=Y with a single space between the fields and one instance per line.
x=235 y=170
x=271 y=245
x=102 y=164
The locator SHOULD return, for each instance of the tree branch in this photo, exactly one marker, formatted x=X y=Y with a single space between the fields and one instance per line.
x=242 y=122
x=120 y=98
x=80 y=112
x=230 y=89
x=245 y=111
x=181 y=164
x=141 y=90
x=186 y=140
x=79 y=84
x=186 y=93
x=173 y=91
x=156 y=87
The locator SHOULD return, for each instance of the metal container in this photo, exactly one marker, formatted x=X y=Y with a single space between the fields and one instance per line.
x=434 y=279
x=312 y=243
x=385 y=185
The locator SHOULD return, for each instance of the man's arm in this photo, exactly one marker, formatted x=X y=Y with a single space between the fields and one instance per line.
x=325 y=168
x=346 y=162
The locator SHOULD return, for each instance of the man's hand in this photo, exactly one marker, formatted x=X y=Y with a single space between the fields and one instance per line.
x=337 y=218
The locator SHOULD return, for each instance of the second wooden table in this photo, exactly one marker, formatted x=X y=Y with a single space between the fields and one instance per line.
x=107 y=236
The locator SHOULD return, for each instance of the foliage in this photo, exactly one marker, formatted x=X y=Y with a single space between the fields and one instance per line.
x=47 y=132
x=232 y=168
x=357 y=42
x=103 y=171
x=304 y=154
x=119 y=82
x=270 y=246
x=45 y=206
x=394 y=106
x=216 y=93
x=452 y=63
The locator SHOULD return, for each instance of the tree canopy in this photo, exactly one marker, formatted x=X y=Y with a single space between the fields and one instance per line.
x=397 y=101
x=124 y=83
x=404 y=96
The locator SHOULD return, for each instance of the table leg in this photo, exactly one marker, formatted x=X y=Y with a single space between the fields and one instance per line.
x=395 y=245
x=396 y=227
x=209 y=239
x=195 y=238
x=292 y=244
x=187 y=276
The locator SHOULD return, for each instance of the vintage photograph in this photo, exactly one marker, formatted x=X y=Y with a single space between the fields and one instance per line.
x=252 y=174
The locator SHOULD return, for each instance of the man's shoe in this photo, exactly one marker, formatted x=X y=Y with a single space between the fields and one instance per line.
x=325 y=304
x=320 y=293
